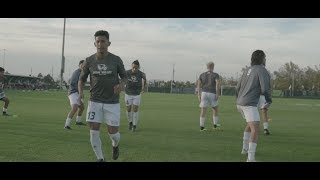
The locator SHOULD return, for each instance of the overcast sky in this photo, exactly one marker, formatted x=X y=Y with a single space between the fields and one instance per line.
x=159 y=43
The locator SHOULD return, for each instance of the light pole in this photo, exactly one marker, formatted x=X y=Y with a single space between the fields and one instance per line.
x=62 y=59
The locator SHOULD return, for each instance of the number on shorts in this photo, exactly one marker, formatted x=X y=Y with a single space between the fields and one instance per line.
x=91 y=115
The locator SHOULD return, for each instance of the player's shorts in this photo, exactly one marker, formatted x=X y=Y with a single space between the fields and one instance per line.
x=208 y=100
x=132 y=99
x=103 y=113
x=2 y=95
x=249 y=113
x=74 y=99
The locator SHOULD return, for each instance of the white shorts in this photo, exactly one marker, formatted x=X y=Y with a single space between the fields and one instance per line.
x=262 y=102
x=250 y=113
x=103 y=113
x=74 y=99
x=131 y=99
x=208 y=100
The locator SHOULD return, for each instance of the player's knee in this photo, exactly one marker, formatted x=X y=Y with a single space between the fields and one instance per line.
x=135 y=108
x=113 y=129
x=264 y=110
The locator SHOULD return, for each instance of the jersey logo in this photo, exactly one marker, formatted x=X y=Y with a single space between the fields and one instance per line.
x=133 y=78
x=102 y=67
x=249 y=71
x=102 y=70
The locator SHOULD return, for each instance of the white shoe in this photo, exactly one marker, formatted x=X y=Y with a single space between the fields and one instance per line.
x=244 y=151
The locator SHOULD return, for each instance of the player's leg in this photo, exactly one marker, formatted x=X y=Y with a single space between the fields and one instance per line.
x=80 y=111
x=112 y=117
x=129 y=101
x=246 y=133
x=136 y=103
x=79 y=115
x=94 y=119
x=203 y=111
x=246 y=138
x=5 y=107
x=253 y=120
x=261 y=105
x=74 y=108
x=215 y=116
x=264 y=112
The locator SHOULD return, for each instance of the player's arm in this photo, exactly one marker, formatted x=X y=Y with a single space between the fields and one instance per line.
x=239 y=84
x=144 y=82
x=218 y=84
x=199 y=91
x=123 y=75
x=83 y=78
x=264 y=79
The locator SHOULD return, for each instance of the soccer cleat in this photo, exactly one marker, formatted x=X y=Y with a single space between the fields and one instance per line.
x=244 y=151
x=80 y=123
x=100 y=160
x=266 y=132
x=115 y=153
x=5 y=114
x=217 y=127
x=203 y=130
x=130 y=126
x=67 y=127
x=134 y=128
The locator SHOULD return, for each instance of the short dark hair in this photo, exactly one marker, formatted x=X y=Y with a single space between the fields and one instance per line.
x=1 y=69
x=257 y=57
x=81 y=62
x=136 y=62
x=101 y=33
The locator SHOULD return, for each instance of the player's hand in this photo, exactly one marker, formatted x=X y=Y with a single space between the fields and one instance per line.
x=216 y=98
x=81 y=97
x=117 y=89
x=199 y=97
x=266 y=105
x=142 y=91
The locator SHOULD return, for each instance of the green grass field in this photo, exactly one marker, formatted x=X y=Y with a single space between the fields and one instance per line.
x=168 y=131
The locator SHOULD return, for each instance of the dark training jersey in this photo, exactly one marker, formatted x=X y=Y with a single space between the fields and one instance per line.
x=134 y=82
x=104 y=75
x=74 y=82
x=208 y=81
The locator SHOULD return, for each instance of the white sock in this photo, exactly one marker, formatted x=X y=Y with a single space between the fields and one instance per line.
x=246 y=137
x=4 y=109
x=252 y=151
x=265 y=125
x=96 y=143
x=202 y=120
x=129 y=116
x=68 y=121
x=215 y=120
x=115 y=138
x=135 y=118
x=78 y=119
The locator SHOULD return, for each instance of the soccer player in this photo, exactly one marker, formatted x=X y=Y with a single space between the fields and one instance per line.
x=3 y=96
x=73 y=95
x=254 y=82
x=135 y=83
x=103 y=107
x=209 y=84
